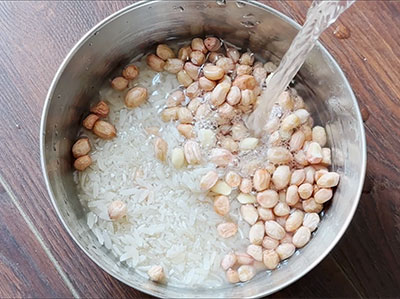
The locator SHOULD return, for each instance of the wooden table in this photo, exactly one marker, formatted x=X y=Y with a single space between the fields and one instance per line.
x=37 y=256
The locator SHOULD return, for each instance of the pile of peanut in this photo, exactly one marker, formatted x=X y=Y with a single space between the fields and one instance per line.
x=280 y=196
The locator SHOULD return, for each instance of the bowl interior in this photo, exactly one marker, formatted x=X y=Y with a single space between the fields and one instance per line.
x=136 y=29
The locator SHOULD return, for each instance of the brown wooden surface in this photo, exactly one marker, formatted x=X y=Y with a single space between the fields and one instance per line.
x=39 y=259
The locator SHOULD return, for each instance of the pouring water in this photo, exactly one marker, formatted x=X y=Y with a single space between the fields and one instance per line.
x=320 y=16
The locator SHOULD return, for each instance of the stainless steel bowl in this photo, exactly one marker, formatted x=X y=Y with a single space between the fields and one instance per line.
x=132 y=31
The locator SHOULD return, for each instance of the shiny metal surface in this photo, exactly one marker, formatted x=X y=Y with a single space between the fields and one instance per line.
x=132 y=31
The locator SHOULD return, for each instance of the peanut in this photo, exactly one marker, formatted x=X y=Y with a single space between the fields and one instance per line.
x=192 y=70
x=178 y=157
x=197 y=57
x=244 y=258
x=319 y=173
x=267 y=198
x=136 y=97
x=249 y=143
x=226 y=111
x=245 y=198
x=227 y=229
x=175 y=98
x=208 y=180
x=281 y=177
x=117 y=209
x=239 y=131
x=119 y=83
x=101 y=109
x=89 y=121
x=213 y=72
x=260 y=74
x=164 y=52
x=246 y=185
x=104 y=130
x=297 y=141
x=156 y=274
x=229 y=144
x=249 y=213
x=303 y=115
x=265 y=214
x=234 y=96
x=206 y=84
x=300 y=158
x=186 y=130
x=246 y=272
x=183 y=78
x=192 y=152
x=270 y=243
x=305 y=190
x=203 y=111
x=328 y=180
x=314 y=153
x=285 y=250
x=323 y=195
x=247 y=97
x=160 y=149
x=232 y=276
x=256 y=233
x=219 y=93
x=228 y=261
x=310 y=206
x=255 y=251
x=173 y=65
x=243 y=69
x=194 y=104
x=82 y=162
x=245 y=82
x=310 y=174
x=233 y=179
x=294 y=221
x=281 y=209
x=184 y=115
x=155 y=63
x=233 y=54
x=261 y=179
x=130 y=72
x=271 y=259
x=298 y=177
x=184 y=53
x=221 y=205
x=247 y=58
x=198 y=45
x=319 y=135
x=169 y=114
x=270 y=67
x=221 y=188
x=292 y=195
x=212 y=44
x=274 y=230
x=279 y=155
x=221 y=157
x=285 y=101
x=226 y=64
x=81 y=147
x=326 y=156
x=301 y=237
x=290 y=122
x=311 y=221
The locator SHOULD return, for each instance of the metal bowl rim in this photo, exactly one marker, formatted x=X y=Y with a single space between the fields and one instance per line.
x=285 y=18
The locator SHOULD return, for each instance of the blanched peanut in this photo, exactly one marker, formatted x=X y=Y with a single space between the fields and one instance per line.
x=101 y=109
x=319 y=135
x=207 y=138
x=310 y=174
x=164 y=52
x=226 y=64
x=320 y=173
x=285 y=250
x=155 y=63
x=198 y=45
x=81 y=147
x=323 y=195
x=221 y=157
x=169 y=114
x=245 y=82
x=119 y=83
x=130 y=72
x=279 y=155
x=287 y=238
x=104 y=130
x=186 y=130
x=89 y=121
x=256 y=233
x=221 y=205
x=197 y=57
x=274 y=139
x=303 y=115
x=246 y=185
x=270 y=168
x=177 y=157
x=239 y=131
x=294 y=221
x=247 y=97
x=192 y=152
x=298 y=103
x=244 y=198
x=311 y=221
x=82 y=162
x=213 y=72
x=267 y=198
x=274 y=230
x=218 y=95
x=226 y=79
x=203 y=111
x=259 y=74
x=285 y=134
x=258 y=64
x=271 y=259
x=297 y=141
x=214 y=56
x=249 y=213
x=212 y=44
x=281 y=220
x=301 y=158
x=173 y=65
x=326 y=157
x=286 y=101
x=328 y=180
x=281 y=209
x=270 y=67
x=305 y=190
x=298 y=177
x=184 y=115
x=234 y=95
x=249 y=143
x=246 y=272
x=232 y=276
x=315 y=189
x=301 y=237
x=243 y=69
x=261 y=179
x=244 y=258
x=310 y=206
x=281 y=176
x=226 y=111
x=269 y=243
x=306 y=129
x=175 y=98
x=194 y=104
x=136 y=97
x=290 y=122
x=247 y=58
x=117 y=209
x=272 y=125
x=227 y=229
x=192 y=70
x=233 y=179
x=228 y=261
x=156 y=274
x=208 y=180
x=314 y=153
x=221 y=188
x=183 y=78
x=255 y=251
x=206 y=84
x=229 y=144
x=265 y=214
x=160 y=149
x=233 y=54
x=193 y=90
x=292 y=196
x=184 y=53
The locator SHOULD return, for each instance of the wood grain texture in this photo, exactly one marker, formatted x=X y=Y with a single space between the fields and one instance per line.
x=35 y=38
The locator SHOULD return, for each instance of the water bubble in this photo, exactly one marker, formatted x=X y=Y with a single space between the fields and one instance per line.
x=247 y=24
x=221 y=2
x=97 y=32
x=18 y=126
x=90 y=44
x=59 y=96
x=180 y=8
x=240 y=4
x=248 y=16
